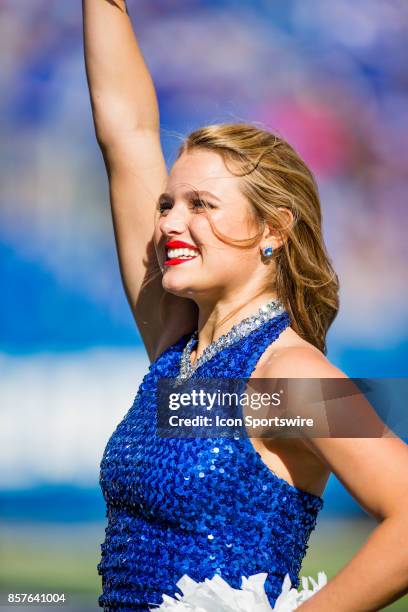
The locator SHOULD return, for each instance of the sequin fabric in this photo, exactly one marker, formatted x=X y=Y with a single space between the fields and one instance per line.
x=200 y=506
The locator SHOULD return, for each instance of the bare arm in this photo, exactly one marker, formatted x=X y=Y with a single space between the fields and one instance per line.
x=127 y=127
x=375 y=472
x=122 y=91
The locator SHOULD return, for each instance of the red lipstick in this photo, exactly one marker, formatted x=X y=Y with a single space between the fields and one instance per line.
x=179 y=244
x=175 y=261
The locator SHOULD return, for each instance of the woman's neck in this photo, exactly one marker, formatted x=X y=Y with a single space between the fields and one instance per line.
x=214 y=322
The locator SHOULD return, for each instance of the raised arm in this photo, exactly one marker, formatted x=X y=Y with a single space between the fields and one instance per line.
x=122 y=92
x=127 y=127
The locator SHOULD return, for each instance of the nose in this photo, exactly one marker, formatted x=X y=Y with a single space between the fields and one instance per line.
x=175 y=221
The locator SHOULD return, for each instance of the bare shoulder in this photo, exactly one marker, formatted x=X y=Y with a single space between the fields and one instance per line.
x=290 y=356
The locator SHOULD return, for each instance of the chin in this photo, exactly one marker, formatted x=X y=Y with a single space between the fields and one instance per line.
x=176 y=286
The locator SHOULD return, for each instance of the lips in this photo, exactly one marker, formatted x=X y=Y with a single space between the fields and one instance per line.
x=175 y=261
x=180 y=244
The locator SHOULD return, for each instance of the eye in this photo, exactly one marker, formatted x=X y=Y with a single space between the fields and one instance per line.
x=199 y=203
x=163 y=205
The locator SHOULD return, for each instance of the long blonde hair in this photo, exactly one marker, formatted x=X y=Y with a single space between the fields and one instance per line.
x=274 y=177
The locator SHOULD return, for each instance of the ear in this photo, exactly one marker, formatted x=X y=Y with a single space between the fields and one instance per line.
x=276 y=237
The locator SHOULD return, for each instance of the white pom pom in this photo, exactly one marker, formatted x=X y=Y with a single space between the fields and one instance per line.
x=216 y=595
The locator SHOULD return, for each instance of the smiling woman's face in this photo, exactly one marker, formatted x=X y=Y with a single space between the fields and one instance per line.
x=216 y=269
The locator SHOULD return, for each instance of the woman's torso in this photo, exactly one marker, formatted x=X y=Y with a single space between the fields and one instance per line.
x=199 y=505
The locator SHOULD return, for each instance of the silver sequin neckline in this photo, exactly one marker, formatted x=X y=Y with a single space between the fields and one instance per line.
x=266 y=312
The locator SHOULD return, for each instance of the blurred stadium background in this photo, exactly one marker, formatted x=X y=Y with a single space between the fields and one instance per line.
x=331 y=77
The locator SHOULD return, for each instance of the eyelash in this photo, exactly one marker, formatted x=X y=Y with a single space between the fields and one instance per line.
x=166 y=205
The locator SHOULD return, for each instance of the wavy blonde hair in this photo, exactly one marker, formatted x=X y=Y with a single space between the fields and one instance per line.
x=274 y=177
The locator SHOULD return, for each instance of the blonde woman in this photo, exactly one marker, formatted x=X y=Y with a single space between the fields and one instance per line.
x=225 y=270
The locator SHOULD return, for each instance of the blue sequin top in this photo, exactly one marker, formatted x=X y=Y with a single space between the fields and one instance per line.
x=196 y=506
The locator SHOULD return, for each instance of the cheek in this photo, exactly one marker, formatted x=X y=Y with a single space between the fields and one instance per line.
x=236 y=225
x=201 y=229
x=214 y=247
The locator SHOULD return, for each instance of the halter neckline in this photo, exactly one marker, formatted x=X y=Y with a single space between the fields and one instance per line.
x=240 y=330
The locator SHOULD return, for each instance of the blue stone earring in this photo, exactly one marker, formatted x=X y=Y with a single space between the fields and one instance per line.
x=267 y=251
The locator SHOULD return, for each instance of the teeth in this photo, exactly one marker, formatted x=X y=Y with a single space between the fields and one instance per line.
x=172 y=253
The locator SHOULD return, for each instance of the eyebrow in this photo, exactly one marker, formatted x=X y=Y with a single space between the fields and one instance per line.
x=189 y=194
